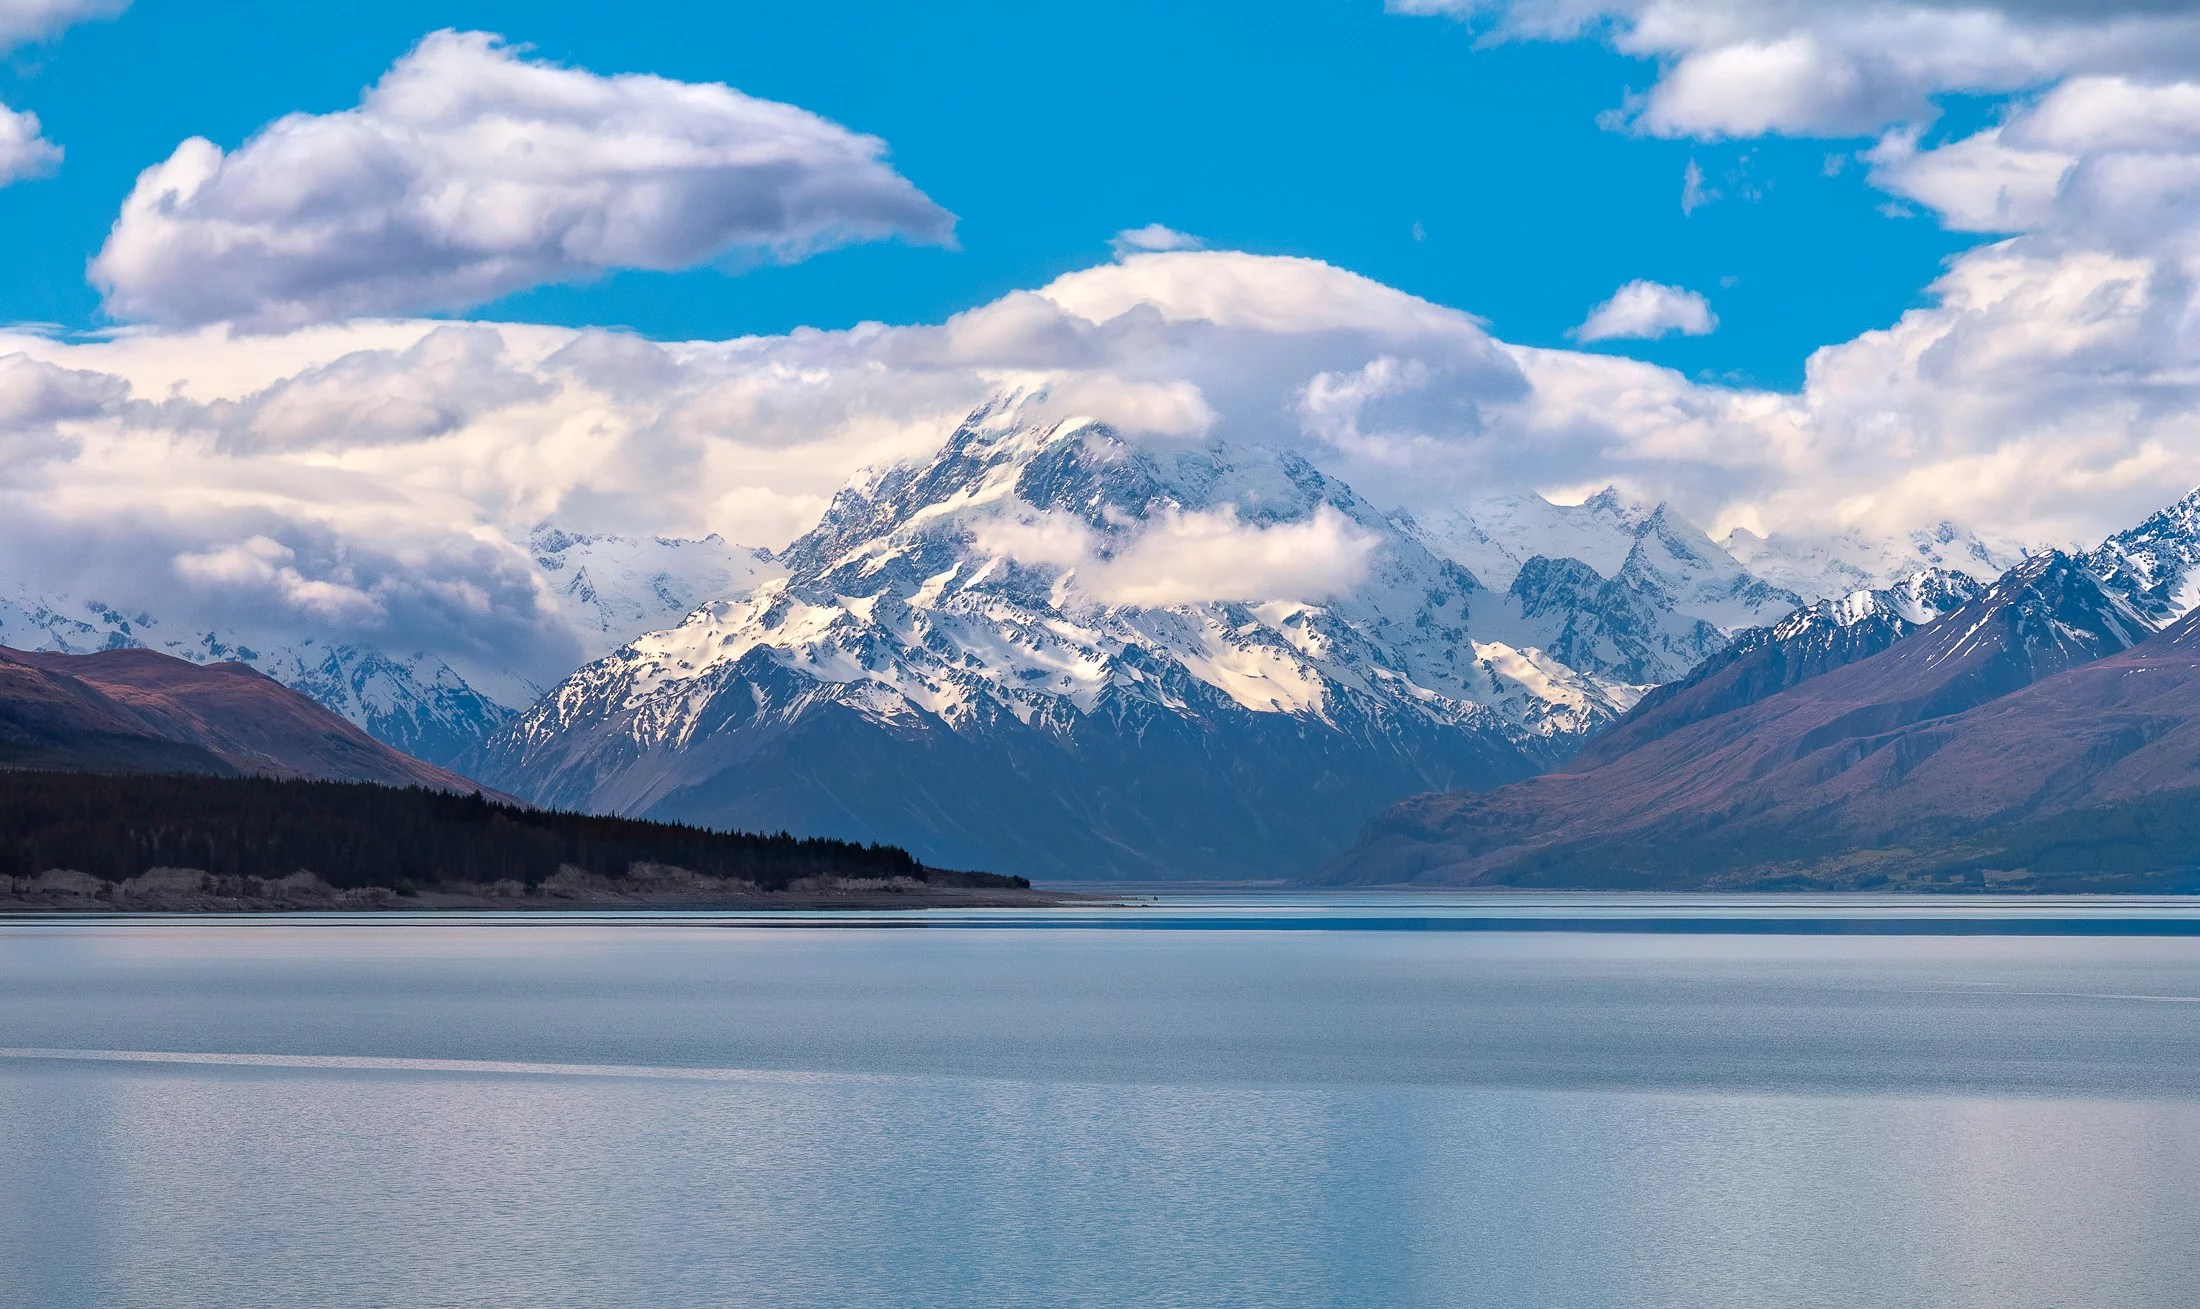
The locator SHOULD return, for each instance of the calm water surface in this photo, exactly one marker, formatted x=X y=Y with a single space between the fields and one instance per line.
x=1274 y=1101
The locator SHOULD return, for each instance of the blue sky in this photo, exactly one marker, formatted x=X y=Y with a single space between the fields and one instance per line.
x=1308 y=127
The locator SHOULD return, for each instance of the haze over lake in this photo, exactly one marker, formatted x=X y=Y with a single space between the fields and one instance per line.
x=1276 y=1102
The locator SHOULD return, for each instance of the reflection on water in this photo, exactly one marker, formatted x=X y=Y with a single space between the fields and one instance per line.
x=683 y=1114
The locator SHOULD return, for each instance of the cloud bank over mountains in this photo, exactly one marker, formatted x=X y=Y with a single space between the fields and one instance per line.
x=381 y=474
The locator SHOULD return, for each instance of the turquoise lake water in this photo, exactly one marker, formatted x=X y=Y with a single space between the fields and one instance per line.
x=1260 y=1100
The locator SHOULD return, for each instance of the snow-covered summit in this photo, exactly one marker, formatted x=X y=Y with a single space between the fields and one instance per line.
x=1495 y=535
x=613 y=588
x=1097 y=615
x=1909 y=603
x=1613 y=586
x=2155 y=565
x=1039 y=568
x=1841 y=563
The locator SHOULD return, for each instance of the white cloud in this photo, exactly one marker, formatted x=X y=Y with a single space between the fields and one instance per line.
x=23 y=151
x=469 y=172
x=1229 y=289
x=1041 y=540
x=1694 y=196
x=261 y=564
x=1646 y=311
x=1736 y=68
x=1187 y=558
x=450 y=377
x=2097 y=160
x=1183 y=558
x=1153 y=237
x=31 y=20
x=38 y=394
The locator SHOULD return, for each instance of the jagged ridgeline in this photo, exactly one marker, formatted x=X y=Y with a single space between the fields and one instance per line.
x=116 y=827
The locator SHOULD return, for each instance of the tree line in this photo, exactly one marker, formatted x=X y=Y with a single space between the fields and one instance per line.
x=355 y=834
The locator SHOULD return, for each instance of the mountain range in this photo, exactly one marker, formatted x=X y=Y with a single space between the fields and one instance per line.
x=1881 y=741
x=1046 y=648
x=1004 y=656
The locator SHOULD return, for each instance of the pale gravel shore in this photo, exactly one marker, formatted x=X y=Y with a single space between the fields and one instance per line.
x=192 y=891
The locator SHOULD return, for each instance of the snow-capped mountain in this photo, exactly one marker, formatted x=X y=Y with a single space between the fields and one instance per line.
x=1897 y=610
x=1611 y=586
x=1825 y=567
x=1494 y=536
x=612 y=589
x=1029 y=652
x=2156 y=565
x=1752 y=768
x=1808 y=643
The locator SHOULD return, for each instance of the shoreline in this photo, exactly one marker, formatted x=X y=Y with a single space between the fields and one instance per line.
x=193 y=891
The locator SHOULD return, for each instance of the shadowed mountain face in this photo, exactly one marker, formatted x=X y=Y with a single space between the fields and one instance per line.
x=1764 y=661
x=139 y=711
x=1721 y=783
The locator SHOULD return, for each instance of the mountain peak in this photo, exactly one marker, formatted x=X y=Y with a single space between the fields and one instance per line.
x=2155 y=565
x=1049 y=605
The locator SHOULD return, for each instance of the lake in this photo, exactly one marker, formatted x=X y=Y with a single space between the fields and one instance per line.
x=1573 y=1101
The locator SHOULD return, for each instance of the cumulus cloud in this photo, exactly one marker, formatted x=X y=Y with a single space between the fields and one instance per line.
x=1187 y=558
x=2097 y=160
x=1153 y=237
x=1396 y=411
x=23 y=151
x=260 y=563
x=34 y=393
x=40 y=406
x=1737 y=68
x=1645 y=311
x=1229 y=289
x=1194 y=557
x=31 y=20
x=470 y=172
x=450 y=377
